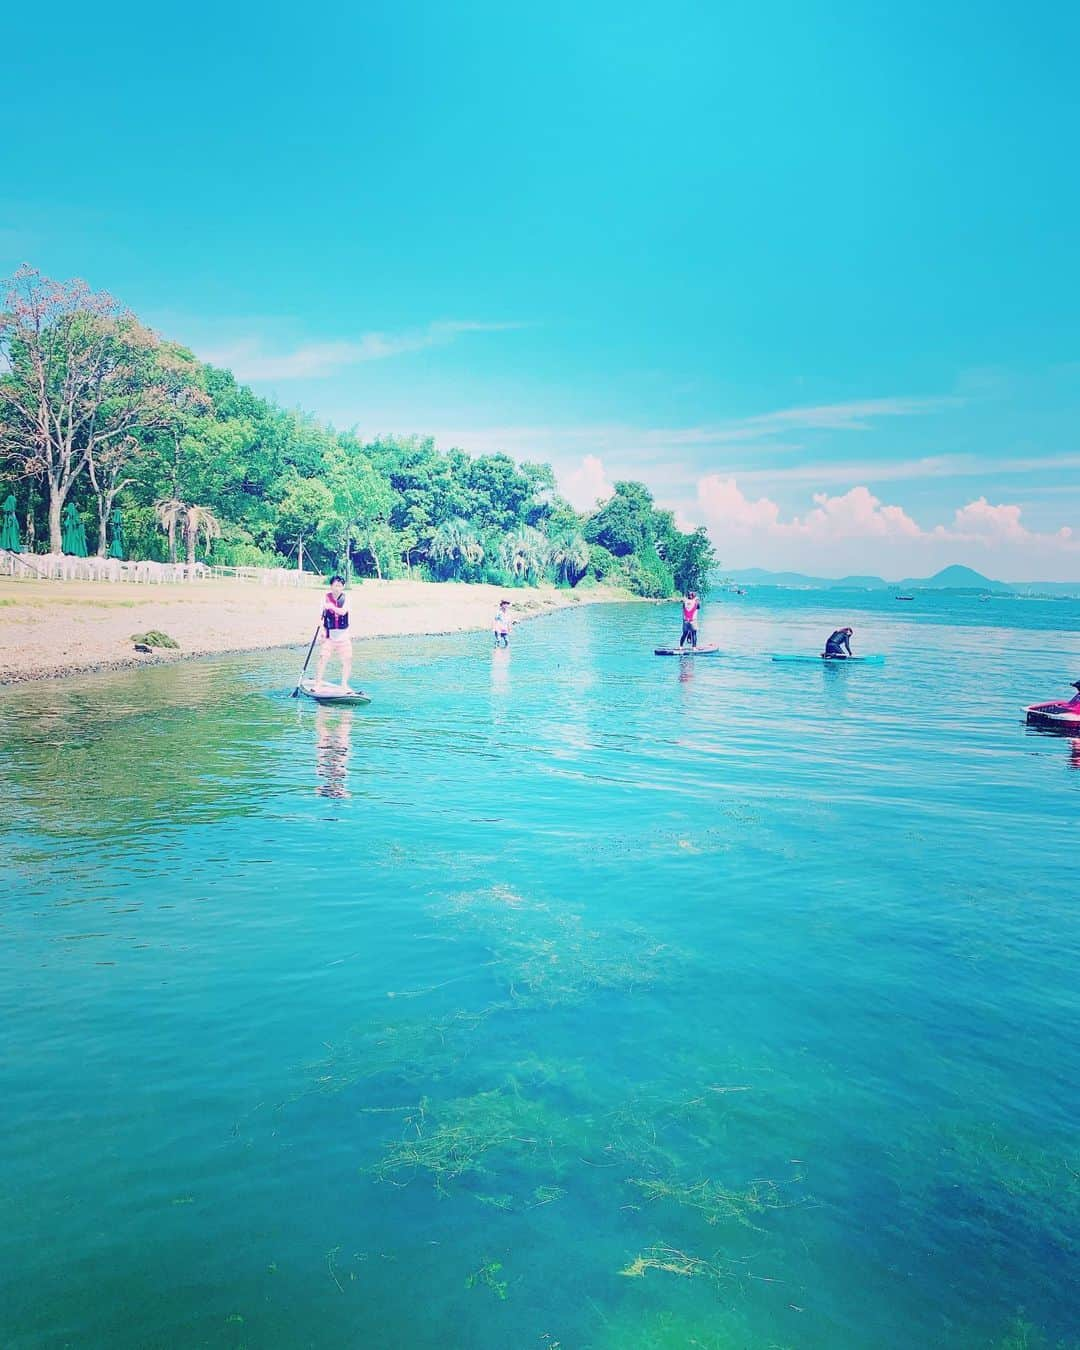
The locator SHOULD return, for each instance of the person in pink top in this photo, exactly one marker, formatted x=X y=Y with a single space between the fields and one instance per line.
x=690 y=607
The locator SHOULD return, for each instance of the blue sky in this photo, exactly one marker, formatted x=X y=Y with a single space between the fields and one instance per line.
x=808 y=269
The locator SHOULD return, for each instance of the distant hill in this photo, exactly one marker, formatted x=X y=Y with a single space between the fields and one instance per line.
x=760 y=577
x=954 y=578
x=859 y=584
x=1056 y=590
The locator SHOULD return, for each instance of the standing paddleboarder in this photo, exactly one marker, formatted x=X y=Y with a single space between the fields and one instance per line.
x=691 y=605
x=337 y=640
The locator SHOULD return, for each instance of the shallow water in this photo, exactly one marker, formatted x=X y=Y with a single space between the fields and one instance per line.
x=564 y=997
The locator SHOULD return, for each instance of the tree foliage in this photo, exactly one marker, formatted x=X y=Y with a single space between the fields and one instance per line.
x=98 y=412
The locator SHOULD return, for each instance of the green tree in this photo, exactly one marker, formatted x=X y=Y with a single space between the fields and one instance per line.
x=624 y=524
x=105 y=464
x=649 y=575
x=455 y=547
x=524 y=554
x=78 y=377
x=692 y=559
x=498 y=492
x=569 y=555
x=199 y=521
x=305 y=516
x=169 y=513
x=361 y=494
x=96 y=412
x=378 y=549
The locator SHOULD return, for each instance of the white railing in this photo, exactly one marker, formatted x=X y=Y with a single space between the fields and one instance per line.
x=64 y=567
x=266 y=576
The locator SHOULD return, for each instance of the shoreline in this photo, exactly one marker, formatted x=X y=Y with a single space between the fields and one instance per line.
x=50 y=630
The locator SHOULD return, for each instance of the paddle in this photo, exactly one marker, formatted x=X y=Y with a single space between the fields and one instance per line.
x=296 y=691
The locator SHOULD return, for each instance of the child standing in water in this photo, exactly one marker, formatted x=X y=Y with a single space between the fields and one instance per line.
x=501 y=624
x=337 y=640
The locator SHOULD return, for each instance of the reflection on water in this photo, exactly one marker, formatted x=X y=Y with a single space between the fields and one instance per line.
x=605 y=1002
x=333 y=742
x=1052 y=734
x=500 y=671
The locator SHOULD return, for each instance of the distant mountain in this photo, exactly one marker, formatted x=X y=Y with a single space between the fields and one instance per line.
x=954 y=578
x=758 y=576
x=1056 y=590
x=859 y=584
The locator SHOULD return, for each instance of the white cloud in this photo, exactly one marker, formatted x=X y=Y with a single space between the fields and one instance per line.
x=249 y=361
x=932 y=466
x=856 y=514
x=982 y=522
x=585 y=485
x=857 y=531
x=856 y=415
x=657 y=445
x=726 y=508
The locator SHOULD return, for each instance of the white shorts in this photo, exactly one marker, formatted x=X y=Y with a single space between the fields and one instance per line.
x=339 y=637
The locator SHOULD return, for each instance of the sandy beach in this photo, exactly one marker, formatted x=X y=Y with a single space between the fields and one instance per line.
x=52 y=628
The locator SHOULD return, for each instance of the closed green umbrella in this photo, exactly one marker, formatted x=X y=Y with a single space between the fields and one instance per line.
x=73 y=539
x=116 y=534
x=9 y=527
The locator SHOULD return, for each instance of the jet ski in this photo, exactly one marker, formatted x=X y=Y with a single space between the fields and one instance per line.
x=1057 y=716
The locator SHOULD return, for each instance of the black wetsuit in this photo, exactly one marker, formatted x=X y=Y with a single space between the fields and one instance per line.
x=839 y=644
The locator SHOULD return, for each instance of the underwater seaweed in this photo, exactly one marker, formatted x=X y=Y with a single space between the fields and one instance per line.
x=487 y=1278
x=548 y=956
x=661 y=1256
x=714 y=1202
x=452 y=1139
x=410 y=1051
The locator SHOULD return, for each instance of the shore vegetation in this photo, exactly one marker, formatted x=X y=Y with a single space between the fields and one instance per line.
x=163 y=456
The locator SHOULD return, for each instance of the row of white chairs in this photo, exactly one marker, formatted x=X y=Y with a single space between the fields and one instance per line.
x=65 y=567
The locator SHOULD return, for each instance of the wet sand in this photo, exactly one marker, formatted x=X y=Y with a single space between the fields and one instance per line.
x=55 y=628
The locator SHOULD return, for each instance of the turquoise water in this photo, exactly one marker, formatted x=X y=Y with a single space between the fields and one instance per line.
x=565 y=997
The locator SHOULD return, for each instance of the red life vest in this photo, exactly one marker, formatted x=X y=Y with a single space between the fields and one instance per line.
x=335 y=615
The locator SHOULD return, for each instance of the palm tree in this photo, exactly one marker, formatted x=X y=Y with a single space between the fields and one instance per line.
x=569 y=555
x=169 y=512
x=199 y=520
x=454 y=544
x=524 y=553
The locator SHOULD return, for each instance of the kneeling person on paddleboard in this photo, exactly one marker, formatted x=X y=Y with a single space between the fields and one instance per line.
x=337 y=640
x=838 y=646
x=690 y=607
